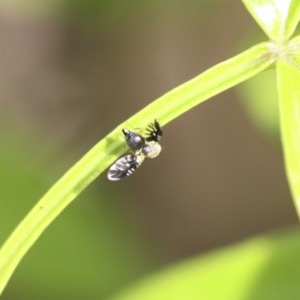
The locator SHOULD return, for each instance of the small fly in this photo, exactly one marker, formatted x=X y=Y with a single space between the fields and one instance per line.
x=140 y=147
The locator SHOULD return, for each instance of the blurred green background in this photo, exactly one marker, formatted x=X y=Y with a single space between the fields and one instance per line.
x=70 y=72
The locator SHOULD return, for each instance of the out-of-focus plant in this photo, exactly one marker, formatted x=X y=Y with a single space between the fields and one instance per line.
x=262 y=268
x=264 y=114
x=278 y=19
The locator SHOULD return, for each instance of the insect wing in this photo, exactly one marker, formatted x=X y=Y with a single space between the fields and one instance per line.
x=154 y=132
x=124 y=167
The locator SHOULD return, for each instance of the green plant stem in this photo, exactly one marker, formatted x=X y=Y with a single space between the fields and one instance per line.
x=165 y=109
x=288 y=78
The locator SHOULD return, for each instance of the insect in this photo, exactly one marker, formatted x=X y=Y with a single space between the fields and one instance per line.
x=140 y=147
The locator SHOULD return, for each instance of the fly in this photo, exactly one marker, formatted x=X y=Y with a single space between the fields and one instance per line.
x=140 y=147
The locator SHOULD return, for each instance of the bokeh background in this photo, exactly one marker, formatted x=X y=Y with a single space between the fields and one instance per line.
x=73 y=70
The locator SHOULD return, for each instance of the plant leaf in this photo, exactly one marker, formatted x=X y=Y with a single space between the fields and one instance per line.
x=288 y=79
x=245 y=271
x=277 y=18
x=166 y=108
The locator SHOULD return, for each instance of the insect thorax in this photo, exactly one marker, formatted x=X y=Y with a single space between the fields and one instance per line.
x=134 y=140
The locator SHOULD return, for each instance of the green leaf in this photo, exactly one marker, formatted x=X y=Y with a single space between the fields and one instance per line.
x=263 y=268
x=277 y=18
x=165 y=109
x=88 y=225
x=288 y=79
x=206 y=85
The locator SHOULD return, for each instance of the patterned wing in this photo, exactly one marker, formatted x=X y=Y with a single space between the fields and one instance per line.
x=124 y=166
x=154 y=132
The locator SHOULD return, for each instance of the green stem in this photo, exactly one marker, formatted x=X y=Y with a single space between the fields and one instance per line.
x=288 y=77
x=165 y=109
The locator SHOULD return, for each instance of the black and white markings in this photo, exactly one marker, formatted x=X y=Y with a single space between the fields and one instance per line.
x=124 y=167
x=154 y=132
x=140 y=148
